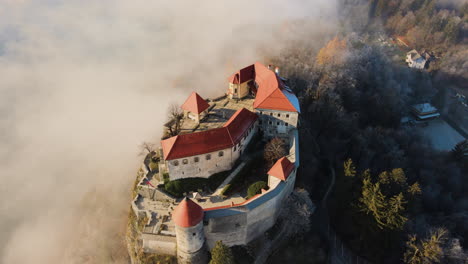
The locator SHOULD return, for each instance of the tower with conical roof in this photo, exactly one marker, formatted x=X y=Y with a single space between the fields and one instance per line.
x=188 y=219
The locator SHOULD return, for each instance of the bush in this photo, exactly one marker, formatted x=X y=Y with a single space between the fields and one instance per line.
x=179 y=187
x=256 y=188
x=166 y=177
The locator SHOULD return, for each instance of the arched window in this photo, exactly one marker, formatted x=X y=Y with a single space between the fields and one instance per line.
x=175 y=163
x=196 y=159
x=185 y=161
x=279 y=115
x=220 y=154
x=208 y=156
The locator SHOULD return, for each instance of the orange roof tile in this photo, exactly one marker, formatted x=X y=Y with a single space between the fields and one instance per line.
x=195 y=104
x=271 y=92
x=188 y=145
x=187 y=213
x=282 y=169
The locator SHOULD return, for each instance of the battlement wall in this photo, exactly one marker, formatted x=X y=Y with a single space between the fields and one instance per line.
x=240 y=224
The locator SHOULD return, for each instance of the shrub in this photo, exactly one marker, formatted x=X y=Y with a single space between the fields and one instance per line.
x=166 y=177
x=179 y=187
x=256 y=188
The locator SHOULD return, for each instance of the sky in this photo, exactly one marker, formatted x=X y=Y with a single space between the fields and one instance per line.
x=84 y=83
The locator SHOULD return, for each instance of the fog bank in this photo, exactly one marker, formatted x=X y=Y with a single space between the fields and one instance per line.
x=84 y=82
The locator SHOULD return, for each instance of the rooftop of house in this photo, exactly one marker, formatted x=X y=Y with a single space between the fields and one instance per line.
x=281 y=169
x=207 y=141
x=425 y=108
x=218 y=113
x=195 y=104
x=271 y=93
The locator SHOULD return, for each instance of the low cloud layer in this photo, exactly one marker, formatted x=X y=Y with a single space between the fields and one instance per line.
x=83 y=83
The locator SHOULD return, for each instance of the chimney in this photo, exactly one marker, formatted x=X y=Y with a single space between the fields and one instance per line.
x=277 y=71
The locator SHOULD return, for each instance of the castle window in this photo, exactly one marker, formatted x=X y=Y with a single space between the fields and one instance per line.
x=277 y=123
x=271 y=114
x=235 y=148
x=270 y=123
x=261 y=112
x=185 y=161
x=286 y=124
x=287 y=115
x=175 y=163
x=220 y=154
x=235 y=90
x=193 y=234
x=208 y=157
x=196 y=159
x=279 y=115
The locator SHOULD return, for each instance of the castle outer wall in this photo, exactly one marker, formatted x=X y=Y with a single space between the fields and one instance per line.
x=238 y=225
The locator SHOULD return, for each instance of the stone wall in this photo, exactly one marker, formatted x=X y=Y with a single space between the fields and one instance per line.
x=238 y=225
x=158 y=244
x=276 y=123
x=188 y=167
x=190 y=244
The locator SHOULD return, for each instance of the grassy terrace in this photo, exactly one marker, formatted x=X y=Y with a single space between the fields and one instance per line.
x=177 y=188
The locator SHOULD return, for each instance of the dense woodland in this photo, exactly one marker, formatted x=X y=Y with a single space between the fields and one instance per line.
x=396 y=200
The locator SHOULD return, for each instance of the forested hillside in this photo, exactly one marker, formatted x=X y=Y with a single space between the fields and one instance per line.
x=396 y=199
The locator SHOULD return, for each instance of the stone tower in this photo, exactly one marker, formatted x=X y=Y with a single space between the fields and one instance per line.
x=188 y=219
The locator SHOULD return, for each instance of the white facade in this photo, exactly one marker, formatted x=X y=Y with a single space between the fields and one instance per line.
x=415 y=60
x=205 y=165
x=276 y=123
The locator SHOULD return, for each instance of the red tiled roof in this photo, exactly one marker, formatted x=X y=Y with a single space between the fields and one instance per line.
x=238 y=124
x=270 y=93
x=187 y=213
x=188 y=145
x=195 y=104
x=282 y=169
x=245 y=74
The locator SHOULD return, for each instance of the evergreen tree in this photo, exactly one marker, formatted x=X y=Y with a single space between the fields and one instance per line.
x=221 y=254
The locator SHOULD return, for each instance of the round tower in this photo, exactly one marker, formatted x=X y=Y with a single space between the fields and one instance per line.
x=188 y=219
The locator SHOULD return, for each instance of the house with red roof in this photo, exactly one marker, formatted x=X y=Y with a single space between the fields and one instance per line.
x=281 y=171
x=205 y=153
x=195 y=107
x=275 y=102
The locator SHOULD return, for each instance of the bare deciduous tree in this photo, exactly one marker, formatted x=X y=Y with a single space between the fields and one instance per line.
x=175 y=116
x=274 y=150
x=146 y=147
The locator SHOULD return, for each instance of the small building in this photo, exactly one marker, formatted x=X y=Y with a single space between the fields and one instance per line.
x=425 y=111
x=415 y=60
x=195 y=107
x=280 y=171
x=205 y=153
x=275 y=102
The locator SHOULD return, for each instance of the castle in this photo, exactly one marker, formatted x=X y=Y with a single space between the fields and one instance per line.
x=213 y=139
